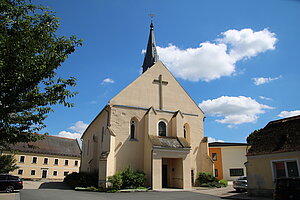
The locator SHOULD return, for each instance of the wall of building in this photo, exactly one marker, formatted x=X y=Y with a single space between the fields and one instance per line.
x=217 y=161
x=61 y=169
x=233 y=157
x=261 y=178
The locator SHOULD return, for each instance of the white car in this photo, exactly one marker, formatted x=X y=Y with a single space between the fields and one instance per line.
x=240 y=184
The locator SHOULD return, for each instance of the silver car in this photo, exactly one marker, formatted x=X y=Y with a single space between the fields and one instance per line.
x=240 y=184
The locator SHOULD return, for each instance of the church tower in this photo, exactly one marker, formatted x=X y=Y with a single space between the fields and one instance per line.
x=153 y=126
x=151 y=56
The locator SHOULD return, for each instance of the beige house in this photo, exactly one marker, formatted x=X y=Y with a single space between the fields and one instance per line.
x=229 y=159
x=275 y=153
x=153 y=126
x=51 y=158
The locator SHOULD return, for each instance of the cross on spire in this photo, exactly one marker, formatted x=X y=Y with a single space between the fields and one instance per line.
x=151 y=55
x=160 y=83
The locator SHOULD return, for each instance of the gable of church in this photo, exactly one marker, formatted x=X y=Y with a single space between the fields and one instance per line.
x=156 y=87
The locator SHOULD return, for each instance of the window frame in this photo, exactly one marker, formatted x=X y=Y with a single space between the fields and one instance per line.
x=34 y=172
x=272 y=162
x=20 y=170
x=56 y=159
x=55 y=173
x=76 y=163
x=46 y=163
x=166 y=123
x=66 y=162
x=214 y=158
x=34 y=158
x=230 y=174
x=22 y=160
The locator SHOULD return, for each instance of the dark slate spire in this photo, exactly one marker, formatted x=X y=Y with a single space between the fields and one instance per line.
x=151 y=56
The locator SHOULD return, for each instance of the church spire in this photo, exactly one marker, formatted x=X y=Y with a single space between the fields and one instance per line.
x=151 y=55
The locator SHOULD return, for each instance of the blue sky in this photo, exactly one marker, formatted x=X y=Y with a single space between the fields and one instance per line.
x=238 y=59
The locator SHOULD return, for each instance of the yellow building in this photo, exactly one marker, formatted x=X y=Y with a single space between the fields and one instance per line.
x=274 y=153
x=153 y=126
x=51 y=158
x=229 y=159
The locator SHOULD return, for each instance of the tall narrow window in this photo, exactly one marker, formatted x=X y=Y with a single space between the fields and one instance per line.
x=66 y=162
x=102 y=136
x=22 y=159
x=184 y=131
x=162 y=129
x=34 y=160
x=132 y=129
x=76 y=163
x=214 y=156
x=56 y=161
x=45 y=161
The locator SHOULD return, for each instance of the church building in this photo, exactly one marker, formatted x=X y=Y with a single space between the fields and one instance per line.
x=153 y=126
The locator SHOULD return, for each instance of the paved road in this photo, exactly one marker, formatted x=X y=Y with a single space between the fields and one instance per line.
x=55 y=194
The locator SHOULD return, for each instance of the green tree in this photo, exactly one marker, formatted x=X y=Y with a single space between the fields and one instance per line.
x=30 y=53
x=7 y=163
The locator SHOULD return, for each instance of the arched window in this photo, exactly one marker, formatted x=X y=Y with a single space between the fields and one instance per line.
x=184 y=132
x=132 y=129
x=162 y=129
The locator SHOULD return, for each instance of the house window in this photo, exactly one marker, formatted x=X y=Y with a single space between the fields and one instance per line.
x=55 y=161
x=32 y=172
x=66 y=162
x=76 y=163
x=66 y=173
x=22 y=159
x=162 y=129
x=20 y=171
x=236 y=172
x=54 y=173
x=288 y=168
x=132 y=129
x=216 y=173
x=45 y=161
x=214 y=156
x=34 y=160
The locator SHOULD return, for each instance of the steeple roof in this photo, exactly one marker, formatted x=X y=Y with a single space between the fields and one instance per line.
x=151 y=55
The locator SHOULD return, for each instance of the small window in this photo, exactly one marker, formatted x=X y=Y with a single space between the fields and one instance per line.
x=216 y=173
x=22 y=159
x=55 y=161
x=20 y=171
x=66 y=162
x=236 y=172
x=54 y=173
x=102 y=135
x=34 y=160
x=214 y=156
x=45 y=161
x=132 y=129
x=66 y=173
x=76 y=163
x=162 y=129
x=32 y=172
x=184 y=132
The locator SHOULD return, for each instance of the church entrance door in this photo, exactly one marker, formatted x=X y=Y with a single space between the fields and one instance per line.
x=164 y=176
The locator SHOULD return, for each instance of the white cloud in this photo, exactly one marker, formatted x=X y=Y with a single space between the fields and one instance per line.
x=285 y=114
x=77 y=130
x=265 y=98
x=212 y=60
x=210 y=139
x=234 y=110
x=107 y=80
x=262 y=80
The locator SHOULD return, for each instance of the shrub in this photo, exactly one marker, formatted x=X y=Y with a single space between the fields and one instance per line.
x=81 y=179
x=116 y=181
x=223 y=182
x=204 y=177
x=127 y=179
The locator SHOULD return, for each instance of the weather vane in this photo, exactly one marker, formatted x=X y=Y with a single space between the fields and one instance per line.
x=151 y=15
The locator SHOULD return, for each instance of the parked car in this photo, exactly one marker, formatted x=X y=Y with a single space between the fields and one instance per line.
x=287 y=188
x=9 y=183
x=240 y=184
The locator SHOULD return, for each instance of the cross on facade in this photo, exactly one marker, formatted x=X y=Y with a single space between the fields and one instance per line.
x=160 y=83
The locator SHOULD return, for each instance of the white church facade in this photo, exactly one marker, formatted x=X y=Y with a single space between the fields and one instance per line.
x=153 y=126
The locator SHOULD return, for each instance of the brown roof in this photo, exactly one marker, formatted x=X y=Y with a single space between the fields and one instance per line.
x=226 y=144
x=169 y=142
x=277 y=136
x=50 y=145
